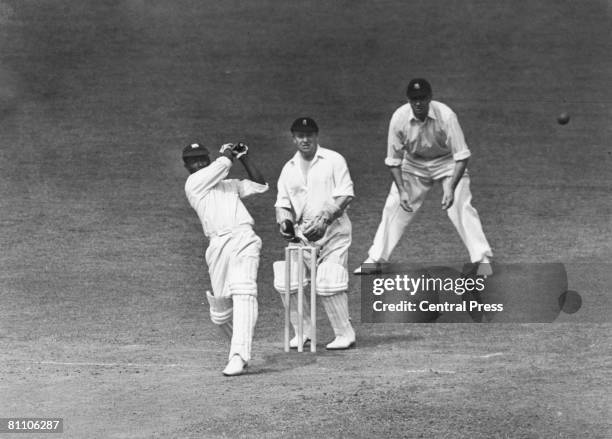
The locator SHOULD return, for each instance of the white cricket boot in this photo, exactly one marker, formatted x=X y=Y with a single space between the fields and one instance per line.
x=235 y=366
x=369 y=266
x=485 y=268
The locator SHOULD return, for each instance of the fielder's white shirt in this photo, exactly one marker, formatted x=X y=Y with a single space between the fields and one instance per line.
x=327 y=178
x=428 y=148
x=217 y=201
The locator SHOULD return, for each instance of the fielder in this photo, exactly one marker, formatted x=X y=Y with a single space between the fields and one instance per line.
x=233 y=252
x=426 y=145
x=314 y=189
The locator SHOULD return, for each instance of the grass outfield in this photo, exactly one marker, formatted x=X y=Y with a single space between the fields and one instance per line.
x=102 y=320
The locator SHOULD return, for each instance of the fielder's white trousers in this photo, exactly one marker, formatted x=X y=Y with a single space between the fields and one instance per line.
x=462 y=214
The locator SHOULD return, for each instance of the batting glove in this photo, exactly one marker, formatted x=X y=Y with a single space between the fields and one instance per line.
x=240 y=149
x=225 y=147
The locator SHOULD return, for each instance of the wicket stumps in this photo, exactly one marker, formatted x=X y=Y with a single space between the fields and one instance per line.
x=300 y=295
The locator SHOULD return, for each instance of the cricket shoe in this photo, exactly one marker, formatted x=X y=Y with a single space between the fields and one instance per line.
x=485 y=268
x=340 y=343
x=368 y=267
x=293 y=343
x=235 y=366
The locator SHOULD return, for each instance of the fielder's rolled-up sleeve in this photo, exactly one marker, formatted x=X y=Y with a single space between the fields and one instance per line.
x=395 y=144
x=249 y=187
x=455 y=139
x=343 y=184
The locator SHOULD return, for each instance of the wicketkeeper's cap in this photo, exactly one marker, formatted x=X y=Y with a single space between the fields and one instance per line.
x=418 y=88
x=195 y=150
x=304 y=125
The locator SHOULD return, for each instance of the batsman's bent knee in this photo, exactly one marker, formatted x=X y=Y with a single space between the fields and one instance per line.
x=332 y=278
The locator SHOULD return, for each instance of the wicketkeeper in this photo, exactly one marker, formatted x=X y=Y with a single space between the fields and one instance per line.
x=232 y=255
x=314 y=189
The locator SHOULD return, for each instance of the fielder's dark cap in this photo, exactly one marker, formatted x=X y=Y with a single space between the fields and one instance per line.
x=418 y=88
x=195 y=150
x=304 y=125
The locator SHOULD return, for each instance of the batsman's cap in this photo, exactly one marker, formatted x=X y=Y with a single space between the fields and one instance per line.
x=304 y=125
x=195 y=150
x=418 y=88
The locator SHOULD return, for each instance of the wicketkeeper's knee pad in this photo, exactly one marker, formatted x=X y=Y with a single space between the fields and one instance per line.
x=279 y=276
x=332 y=278
x=221 y=309
x=242 y=276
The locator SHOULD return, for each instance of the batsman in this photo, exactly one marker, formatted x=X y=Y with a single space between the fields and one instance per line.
x=314 y=190
x=233 y=252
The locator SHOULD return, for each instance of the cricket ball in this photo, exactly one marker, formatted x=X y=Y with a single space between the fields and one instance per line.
x=563 y=118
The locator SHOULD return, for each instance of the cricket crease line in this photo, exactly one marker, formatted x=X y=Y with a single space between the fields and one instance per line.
x=64 y=363
x=496 y=354
x=161 y=365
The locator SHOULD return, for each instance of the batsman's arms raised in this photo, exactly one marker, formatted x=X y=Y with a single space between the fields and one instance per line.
x=252 y=170
x=330 y=212
x=450 y=184
x=396 y=173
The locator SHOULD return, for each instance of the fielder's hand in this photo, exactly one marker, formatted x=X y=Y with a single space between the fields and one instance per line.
x=405 y=201
x=316 y=228
x=287 y=231
x=448 y=197
x=240 y=149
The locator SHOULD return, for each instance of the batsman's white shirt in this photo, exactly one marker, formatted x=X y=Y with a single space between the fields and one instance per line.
x=426 y=148
x=218 y=201
x=233 y=252
x=327 y=178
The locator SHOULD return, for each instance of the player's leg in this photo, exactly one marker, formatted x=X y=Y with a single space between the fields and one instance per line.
x=219 y=300
x=279 y=285
x=395 y=219
x=467 y=222
x=242 y=282
x=221 y=311
x=332 y=284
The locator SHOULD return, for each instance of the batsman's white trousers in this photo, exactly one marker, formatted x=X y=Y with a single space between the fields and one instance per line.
x=462 y=214
x=232 y=260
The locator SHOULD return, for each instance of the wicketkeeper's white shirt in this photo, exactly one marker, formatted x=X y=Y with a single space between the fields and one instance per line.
x=327 y=178
x=217 y=201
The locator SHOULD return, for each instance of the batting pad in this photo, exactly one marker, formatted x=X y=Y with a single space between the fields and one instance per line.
x=337 y=310
x=220 y=309
x=242 y=277
x=245 y=318
x=279 y=276
x=332 y=278
x=293 y=313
